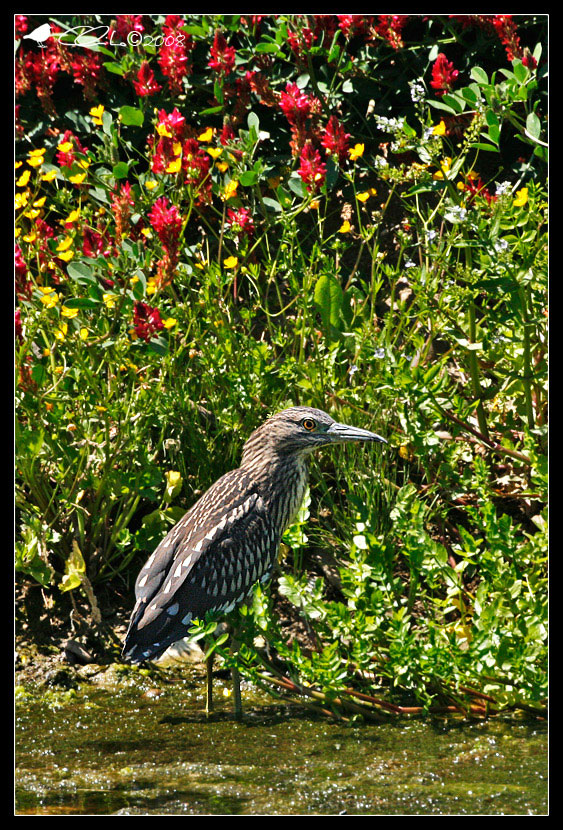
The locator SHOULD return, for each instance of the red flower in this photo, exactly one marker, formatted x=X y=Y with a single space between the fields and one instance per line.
x=311 y=168
x=20 y=24
x=354 y=24
x=145 y=83
x=146 y=320
x=18 y=325
x=87 y=69
x=301 y=41
x=67 y=159
x=443 y=75
x=122 y=201
x=241 y=221
x=126 y=23
x=335 y=139
x=227 y=134
x=196 y=165
x=390 y=26
x=505 y=27
x=295 y=105
x=173 y=57
x=477 y=187
x=222 y=56
x=167 y=222
x=23 y=285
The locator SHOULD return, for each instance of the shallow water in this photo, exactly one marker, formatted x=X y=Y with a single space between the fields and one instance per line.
x=144 y=748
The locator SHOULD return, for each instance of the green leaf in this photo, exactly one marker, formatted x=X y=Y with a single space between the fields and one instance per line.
x=131 y=116
x=297 y=186
x=479 y=75
x=328 y=297
x=113 y=67
x=533 y=125
x=120 y=170
x=271 y=204
x=248 y=178
x=80 y=272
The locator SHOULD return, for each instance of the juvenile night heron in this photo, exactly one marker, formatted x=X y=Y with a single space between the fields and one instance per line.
x=229 y=540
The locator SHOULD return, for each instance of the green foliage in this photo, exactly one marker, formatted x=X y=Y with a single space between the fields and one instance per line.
x=222 y=216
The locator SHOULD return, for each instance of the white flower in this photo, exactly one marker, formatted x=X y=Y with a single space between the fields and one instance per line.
x=501 y=245
x=417 y=91
x=379 y=353
x=502 y=188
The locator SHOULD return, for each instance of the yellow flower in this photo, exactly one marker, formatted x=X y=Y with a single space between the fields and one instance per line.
x=146 y=233
x=61 y=332
x=96 y=113
x=169 y=323
x=439 y=129
x=48 y=177
x=40 y=202
x=151 y=286
x=18 y=164
x=84 y=163
x=64 y=243
x=230 y=190
x=356 y=151
x=174 y=166
x=150 y=185
x=72 y=217
x=345 y=227
x=32 y=214
x=35 y=161
x=69 y=312
x=521 y=197
x=65 y=147
x=66 y=255
x=30 y=237
x=50 y=297
x=109 y=300
x=314 y=204
x=83 y=333
x=206 y=135
x=445 y=165
x=173 y=478
x=363 y=197
x=163 y=131
x=222 y=166
x=214 y=152
x=230 y=262
x=37 y=153
x=24 y=178
x=21 y=199
x=78 y=178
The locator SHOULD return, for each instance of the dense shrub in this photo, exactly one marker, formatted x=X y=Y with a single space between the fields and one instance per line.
x=217 y=216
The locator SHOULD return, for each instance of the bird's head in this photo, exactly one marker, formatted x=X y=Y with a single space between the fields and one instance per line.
x=302 y=429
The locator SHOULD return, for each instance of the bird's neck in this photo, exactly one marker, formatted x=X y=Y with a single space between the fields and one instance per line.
x=281 y=481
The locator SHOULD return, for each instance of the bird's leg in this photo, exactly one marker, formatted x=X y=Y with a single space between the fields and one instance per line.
x=237 y=700
x=209 y=685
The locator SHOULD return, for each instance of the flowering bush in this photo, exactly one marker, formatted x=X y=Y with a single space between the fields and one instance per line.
x=217 y=216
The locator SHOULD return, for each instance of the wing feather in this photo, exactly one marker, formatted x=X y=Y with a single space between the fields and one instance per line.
x=208 y=561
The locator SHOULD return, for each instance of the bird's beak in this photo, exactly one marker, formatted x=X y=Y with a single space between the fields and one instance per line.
x=340 y=433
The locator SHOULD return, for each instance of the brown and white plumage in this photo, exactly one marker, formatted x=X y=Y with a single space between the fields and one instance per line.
x=229 y=540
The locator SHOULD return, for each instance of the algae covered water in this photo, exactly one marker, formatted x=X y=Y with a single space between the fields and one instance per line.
x=137 y=748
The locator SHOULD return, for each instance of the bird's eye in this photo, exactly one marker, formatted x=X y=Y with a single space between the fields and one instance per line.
x=309 y=424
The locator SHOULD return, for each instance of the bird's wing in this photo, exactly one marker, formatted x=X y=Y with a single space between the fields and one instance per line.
x=207 y=562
